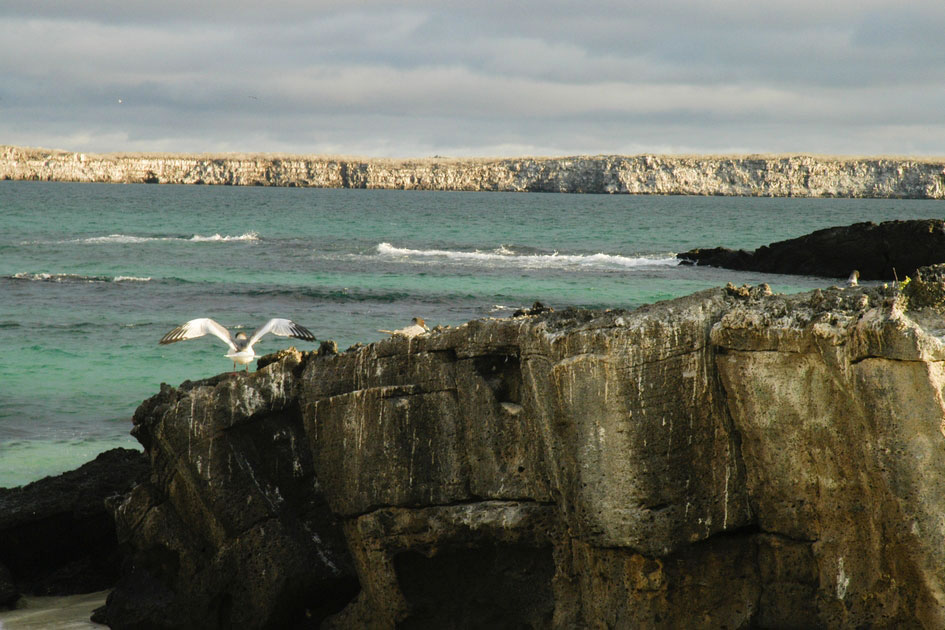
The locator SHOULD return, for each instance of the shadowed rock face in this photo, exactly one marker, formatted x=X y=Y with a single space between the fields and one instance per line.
x=56 y=537
x=881 y=251
x=232 y=530
x=729 y=459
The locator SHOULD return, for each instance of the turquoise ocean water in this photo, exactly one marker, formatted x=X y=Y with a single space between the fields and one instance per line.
x=92 y=275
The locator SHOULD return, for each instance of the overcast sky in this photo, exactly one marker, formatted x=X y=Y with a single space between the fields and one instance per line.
x=534 y=77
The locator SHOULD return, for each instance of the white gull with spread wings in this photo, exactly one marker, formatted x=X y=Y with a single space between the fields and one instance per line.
x=241 y=346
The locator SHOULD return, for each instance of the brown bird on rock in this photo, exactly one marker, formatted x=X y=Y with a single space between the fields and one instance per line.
x=418 y=327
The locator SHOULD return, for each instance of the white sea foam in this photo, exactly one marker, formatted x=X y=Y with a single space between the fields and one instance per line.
x=248 y=236
x=131 y=239
x=50 y=277
x=506 y=257
x=74 y=277
x=117 y=238
x=132 y=279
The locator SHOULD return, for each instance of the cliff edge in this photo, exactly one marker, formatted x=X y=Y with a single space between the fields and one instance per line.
x=752 y=175
x=729 y=459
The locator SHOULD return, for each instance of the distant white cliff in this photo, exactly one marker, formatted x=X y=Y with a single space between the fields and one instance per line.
x=753 y=175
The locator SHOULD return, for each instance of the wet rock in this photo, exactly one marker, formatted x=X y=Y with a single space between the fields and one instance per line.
x=56 y=537
x=884 y=251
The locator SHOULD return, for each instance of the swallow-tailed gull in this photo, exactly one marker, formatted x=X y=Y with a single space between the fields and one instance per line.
x=241 y=346
x=853 y=280
x=417 y=328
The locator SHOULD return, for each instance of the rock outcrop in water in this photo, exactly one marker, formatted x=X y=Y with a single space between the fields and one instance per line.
x=884 y=251
x=729 y=459
x=755 y=175
x=56 y=537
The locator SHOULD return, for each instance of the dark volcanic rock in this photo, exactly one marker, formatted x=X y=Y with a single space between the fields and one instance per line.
x=8 y=591
x=232 y=530
x=879 y=251
x=537 y=309
x=56 y=537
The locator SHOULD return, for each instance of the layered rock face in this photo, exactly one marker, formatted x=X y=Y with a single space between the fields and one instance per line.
x=231 y=530
x=730 y=459
x=774 y=176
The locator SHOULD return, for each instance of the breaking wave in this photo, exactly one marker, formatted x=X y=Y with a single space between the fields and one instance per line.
x=131 y=279
x=504 y=256
x=131 y=239
x=73 y=277
x=248 y=236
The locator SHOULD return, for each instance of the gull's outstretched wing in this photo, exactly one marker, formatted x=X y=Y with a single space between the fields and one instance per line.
x=283 y=328
x=198 y=328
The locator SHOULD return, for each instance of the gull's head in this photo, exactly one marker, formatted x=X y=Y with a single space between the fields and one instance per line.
x=418 y=321
x=240 y=340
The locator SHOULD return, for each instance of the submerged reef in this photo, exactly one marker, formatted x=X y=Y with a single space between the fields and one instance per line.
x=728 y=459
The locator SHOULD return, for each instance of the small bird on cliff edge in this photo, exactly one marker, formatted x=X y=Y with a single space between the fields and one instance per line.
x=241 y=346
x=417 y=328
x=854 y=278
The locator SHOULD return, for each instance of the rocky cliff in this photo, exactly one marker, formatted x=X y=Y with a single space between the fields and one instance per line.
x=774 y=176
x=731 y=459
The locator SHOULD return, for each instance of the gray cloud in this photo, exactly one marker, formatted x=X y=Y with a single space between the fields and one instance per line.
x=423 y=78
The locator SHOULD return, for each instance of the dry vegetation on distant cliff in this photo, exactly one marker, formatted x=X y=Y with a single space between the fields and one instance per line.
x=754 y=175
